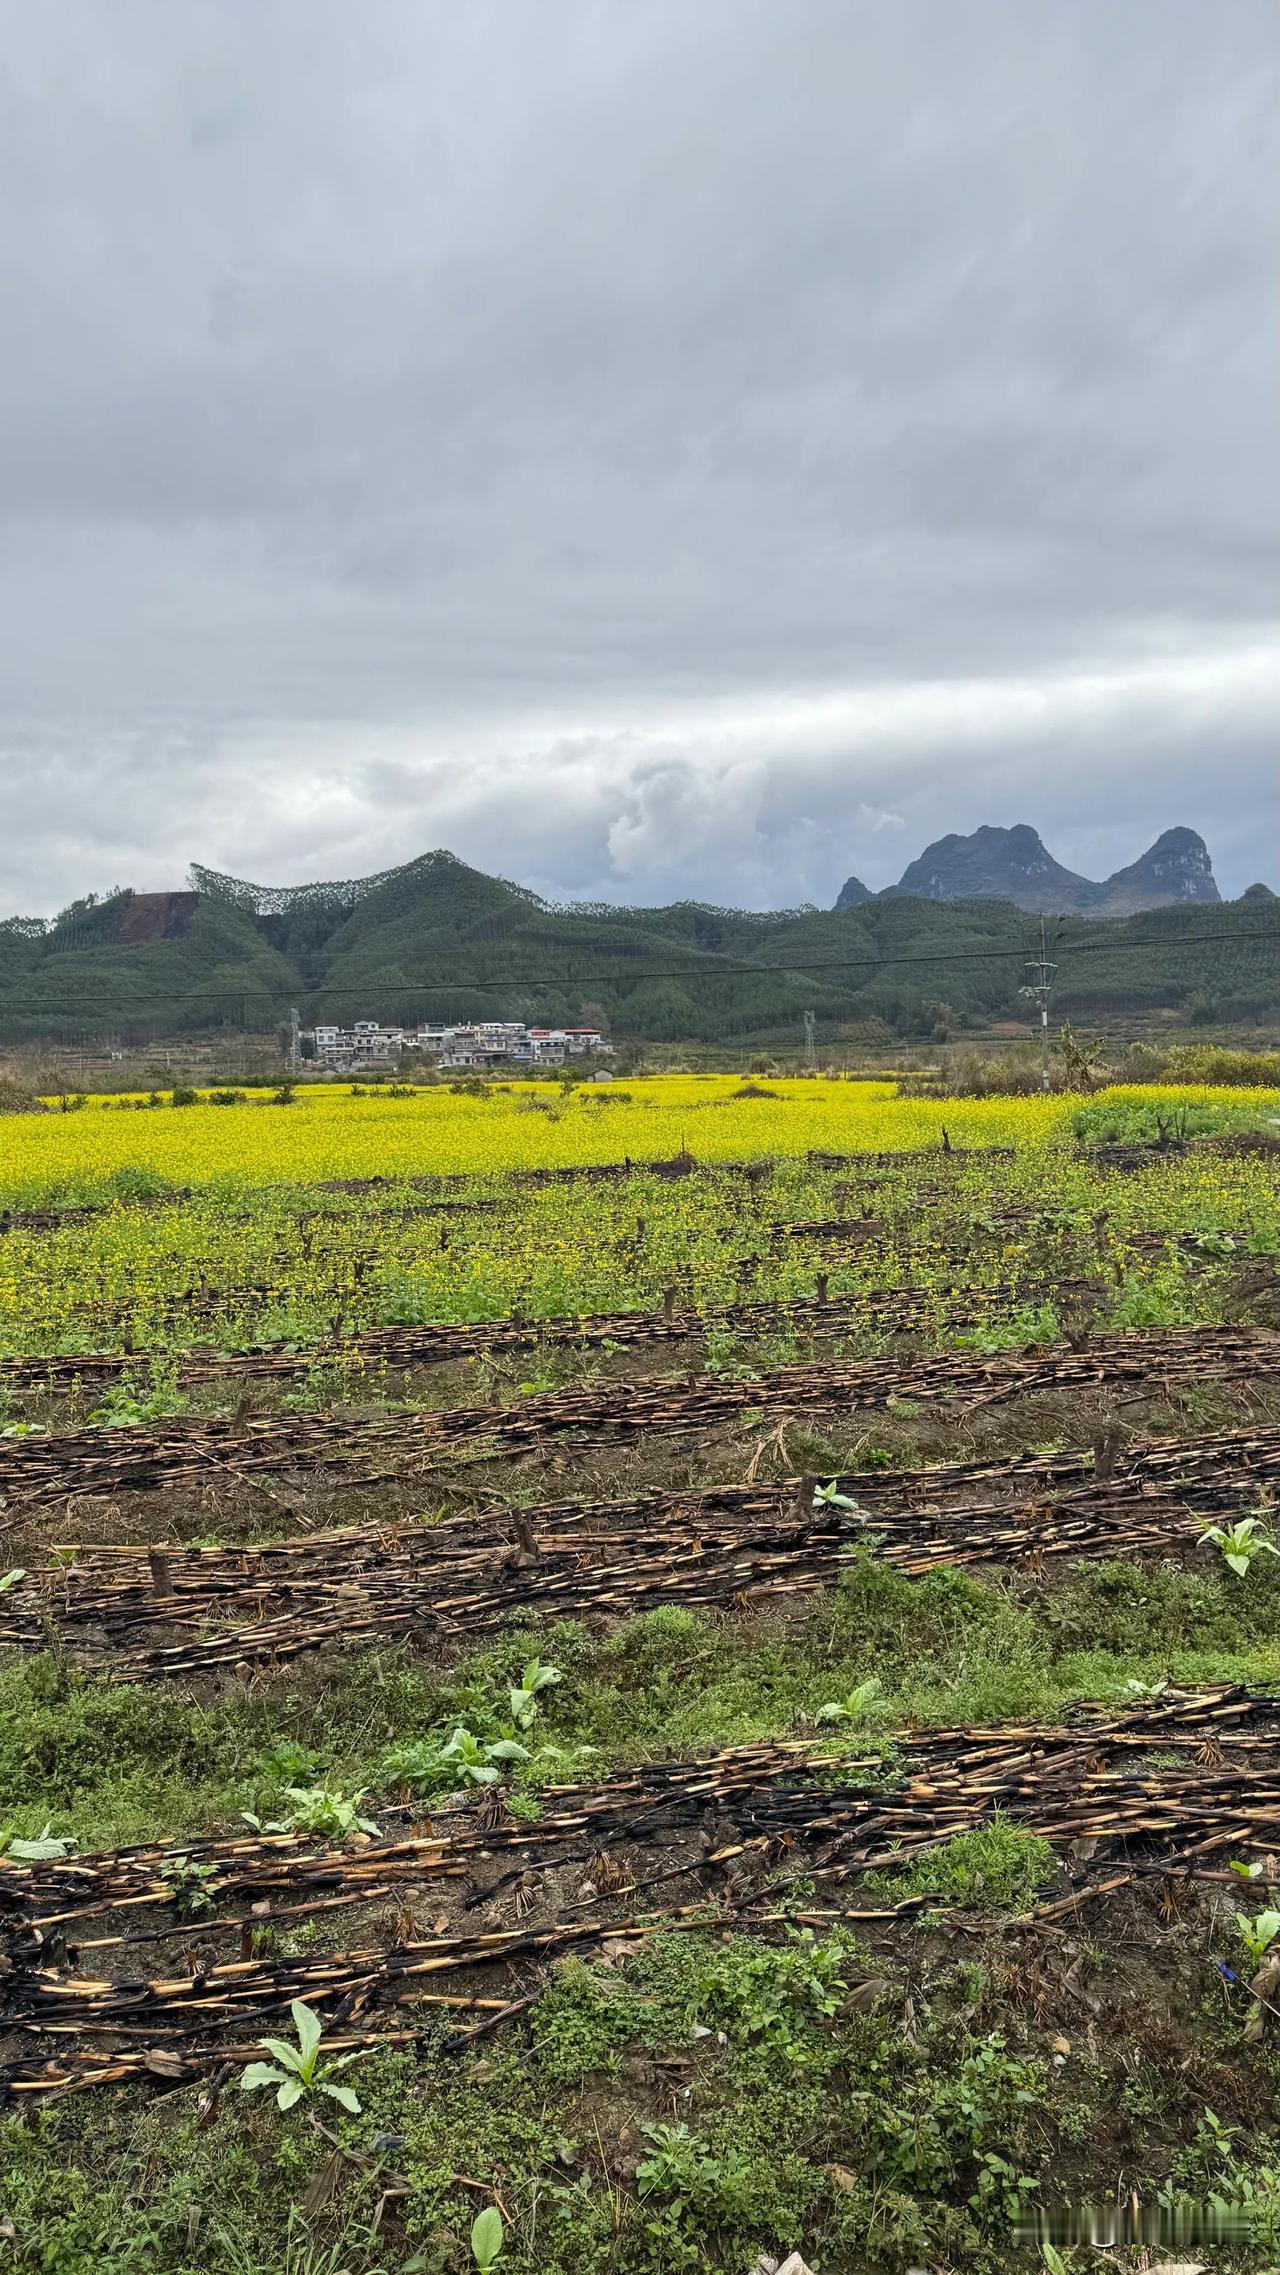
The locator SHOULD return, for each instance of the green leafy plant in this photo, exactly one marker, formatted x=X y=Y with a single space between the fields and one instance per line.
x=315 y=1809
x=769 y=1995
x=698 y=2187
x=12 y=1579
x=1211 y=1243
x=416 y=1765
x=1209 y=2174
x=486 y=2238
x=952 y=2135
x=723 y=1355
x=852 y=1707
x=128 y=1405
x=1000 y=2190
x=829 y=1496
x=993 y=1867
x=190 y=1883
x=1240 y=1542
x=1258 y=1934
x=1153 y=1299
x=537 y=1675
x=46 y=1848
x=478 y=1762
x=287 y=1761
x=296 y=2070
x=1049 y=1221
x=1035 y=1323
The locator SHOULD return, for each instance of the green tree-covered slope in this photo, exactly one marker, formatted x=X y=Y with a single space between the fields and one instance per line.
x=438 y=939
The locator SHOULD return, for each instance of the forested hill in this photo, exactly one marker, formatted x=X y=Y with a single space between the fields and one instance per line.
x=436 y=938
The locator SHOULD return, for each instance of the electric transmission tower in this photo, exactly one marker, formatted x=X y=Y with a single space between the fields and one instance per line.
x=1038 y=988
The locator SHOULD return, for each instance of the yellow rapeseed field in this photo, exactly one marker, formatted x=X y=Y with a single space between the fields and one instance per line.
x=285 y=1263
x=328 y=1133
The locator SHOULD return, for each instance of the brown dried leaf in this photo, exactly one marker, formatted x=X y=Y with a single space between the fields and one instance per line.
x=163 y=2064
x=861 y=1997
x=323 y=2185
x=616 y=1950
x=607 y=1875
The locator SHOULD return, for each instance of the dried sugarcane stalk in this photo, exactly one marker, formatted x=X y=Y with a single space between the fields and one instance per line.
x=226 y=1607
x=37 y=1470
x=1086 y=1780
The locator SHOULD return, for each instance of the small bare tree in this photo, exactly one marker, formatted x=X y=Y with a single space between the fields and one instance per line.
x=1082 y=1061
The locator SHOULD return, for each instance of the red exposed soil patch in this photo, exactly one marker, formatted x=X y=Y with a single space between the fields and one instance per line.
x=157 y=916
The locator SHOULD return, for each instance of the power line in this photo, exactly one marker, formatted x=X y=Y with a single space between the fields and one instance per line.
x=622 y=972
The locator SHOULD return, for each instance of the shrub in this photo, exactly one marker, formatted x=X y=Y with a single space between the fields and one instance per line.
x=16 y=1099
x=1007 y=1074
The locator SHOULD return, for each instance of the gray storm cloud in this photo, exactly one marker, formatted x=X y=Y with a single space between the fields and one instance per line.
x=651 y=451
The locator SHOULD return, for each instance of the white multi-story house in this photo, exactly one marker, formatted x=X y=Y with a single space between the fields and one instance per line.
x=367 y=1043
x=551 y=1046
x=481 y=1043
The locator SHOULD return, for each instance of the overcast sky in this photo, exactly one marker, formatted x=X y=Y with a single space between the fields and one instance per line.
x=655 y=448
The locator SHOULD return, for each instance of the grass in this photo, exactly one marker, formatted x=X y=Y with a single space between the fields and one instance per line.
x=997 y=1867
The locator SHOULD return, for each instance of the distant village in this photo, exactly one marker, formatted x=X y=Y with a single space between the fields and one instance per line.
x=487 y=1043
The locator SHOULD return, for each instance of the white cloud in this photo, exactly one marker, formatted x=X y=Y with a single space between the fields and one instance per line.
x=651 y=451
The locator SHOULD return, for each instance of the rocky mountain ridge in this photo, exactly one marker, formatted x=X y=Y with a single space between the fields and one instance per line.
x=1015 y=865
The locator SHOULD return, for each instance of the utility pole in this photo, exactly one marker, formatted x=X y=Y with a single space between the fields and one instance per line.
x=1039 y=984
x=810 y=1045
x=295 y=1048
